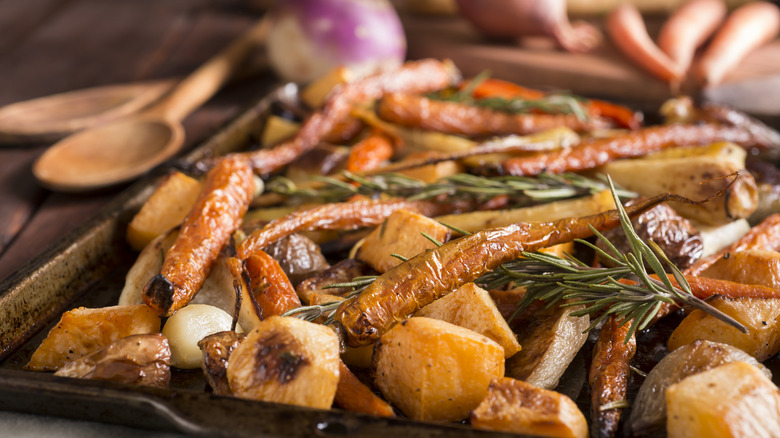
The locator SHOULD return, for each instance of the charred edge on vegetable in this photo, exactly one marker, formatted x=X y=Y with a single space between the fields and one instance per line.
x=159 y=293
x=277 y=359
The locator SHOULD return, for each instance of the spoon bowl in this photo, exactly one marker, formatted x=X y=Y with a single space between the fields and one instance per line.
x=109 y=154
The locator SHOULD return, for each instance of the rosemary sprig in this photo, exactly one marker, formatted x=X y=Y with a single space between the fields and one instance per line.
x=551 y=279
x=521 y=190
x=314 y=312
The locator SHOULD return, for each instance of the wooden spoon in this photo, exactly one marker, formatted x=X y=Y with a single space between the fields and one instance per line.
x=124 y=149
x=50 y=118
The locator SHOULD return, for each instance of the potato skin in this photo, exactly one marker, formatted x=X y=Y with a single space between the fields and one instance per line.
x=436 y=371
x=286 y=360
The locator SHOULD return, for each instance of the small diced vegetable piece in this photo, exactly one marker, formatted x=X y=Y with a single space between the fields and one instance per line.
x=165 y=209
x=136 y=359
x=400 y=233
x=518 y=407
x=480 y=220
x=82 y=331
x=277 y=130
x=436 y=371
x=551 y=339
x=185 y=328
x=217 y=349
x=315 y=94
x=753 y=266
x=287 y=360
x=648 y=410
x=471 y=307
x=732 y=400
x=759 y=315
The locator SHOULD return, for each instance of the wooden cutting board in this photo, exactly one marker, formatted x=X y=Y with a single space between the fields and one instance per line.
x=604 y=72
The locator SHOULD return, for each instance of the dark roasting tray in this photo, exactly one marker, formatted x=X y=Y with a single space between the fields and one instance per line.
x=87 y=268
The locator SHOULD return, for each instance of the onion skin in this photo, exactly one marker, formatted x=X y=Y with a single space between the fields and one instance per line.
x=308 y=38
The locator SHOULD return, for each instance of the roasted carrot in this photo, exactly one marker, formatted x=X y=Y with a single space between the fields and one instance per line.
x=369 y=153
x=271 y=289
x=353 y=395
x=608 y=377
x=688 y=28
x=596 y=152
x=621 y=115
x=217 y=213
x=464 y=119
x=413 y=77
x=401 y=291
x=747 y=28
x=346 y=215
x=765 y=235
x=629 y=34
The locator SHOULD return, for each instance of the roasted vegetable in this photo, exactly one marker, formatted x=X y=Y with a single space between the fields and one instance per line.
x=298 y=256
x=216 y=349
x=82 y=331
x=135 y=359
x=648 y=410
x=752 y=266
x=286 y=360
x=436 y=371
x=185 y=329
x=217 y=213
x=518 y=407
x=732 y=400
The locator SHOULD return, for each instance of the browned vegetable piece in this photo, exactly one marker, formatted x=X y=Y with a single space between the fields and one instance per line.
x=272 y=292
x=217 y=213
x=299 y=257
x=519 y=407
x=463 y=119
x=338 y=216
x=217 y=349
x=596 y=152
x=413 y=77
x=323 y=159
x=752 y=266
x=409 y=286
x=286 y=360
x=353 y=395
x=765 y=235
x=608 y=376
x=81 y=331
x=342 y=272
x=136 y=359
x=551 y=338
x=678 y=239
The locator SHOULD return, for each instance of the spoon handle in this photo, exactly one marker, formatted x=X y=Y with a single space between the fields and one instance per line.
x=204 y=82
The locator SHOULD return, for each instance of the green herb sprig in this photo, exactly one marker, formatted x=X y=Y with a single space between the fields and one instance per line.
x=521 y=190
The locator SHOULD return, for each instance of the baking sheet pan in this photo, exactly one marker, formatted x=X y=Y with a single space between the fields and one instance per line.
x=87 y=268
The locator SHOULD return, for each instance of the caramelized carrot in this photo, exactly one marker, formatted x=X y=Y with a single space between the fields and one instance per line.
x=271 y=289
x=217 y=213
x=413 y=77
x=703 y=287
x=465 y=119
x=346 y=215
x=370 y=153
x=688 y=28
x=747 y=28
x=629 y=34
x=608 y=376
x=403 y=290
x=596 y=152
x=621 y=115
x=353 y=395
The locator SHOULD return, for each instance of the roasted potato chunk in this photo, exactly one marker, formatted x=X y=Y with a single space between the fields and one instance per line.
x=286 y=360
x=471 y=307
x=400 y=233
x=436 y=371
x=732 y=400
x=217 y=349
x=82 y=331
x=759 y=315
x=753 y=266
x=136 y=359
x=165 y=209
x=518 y=407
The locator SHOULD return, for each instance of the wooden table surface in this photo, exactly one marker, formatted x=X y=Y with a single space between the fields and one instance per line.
x=52 y=46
